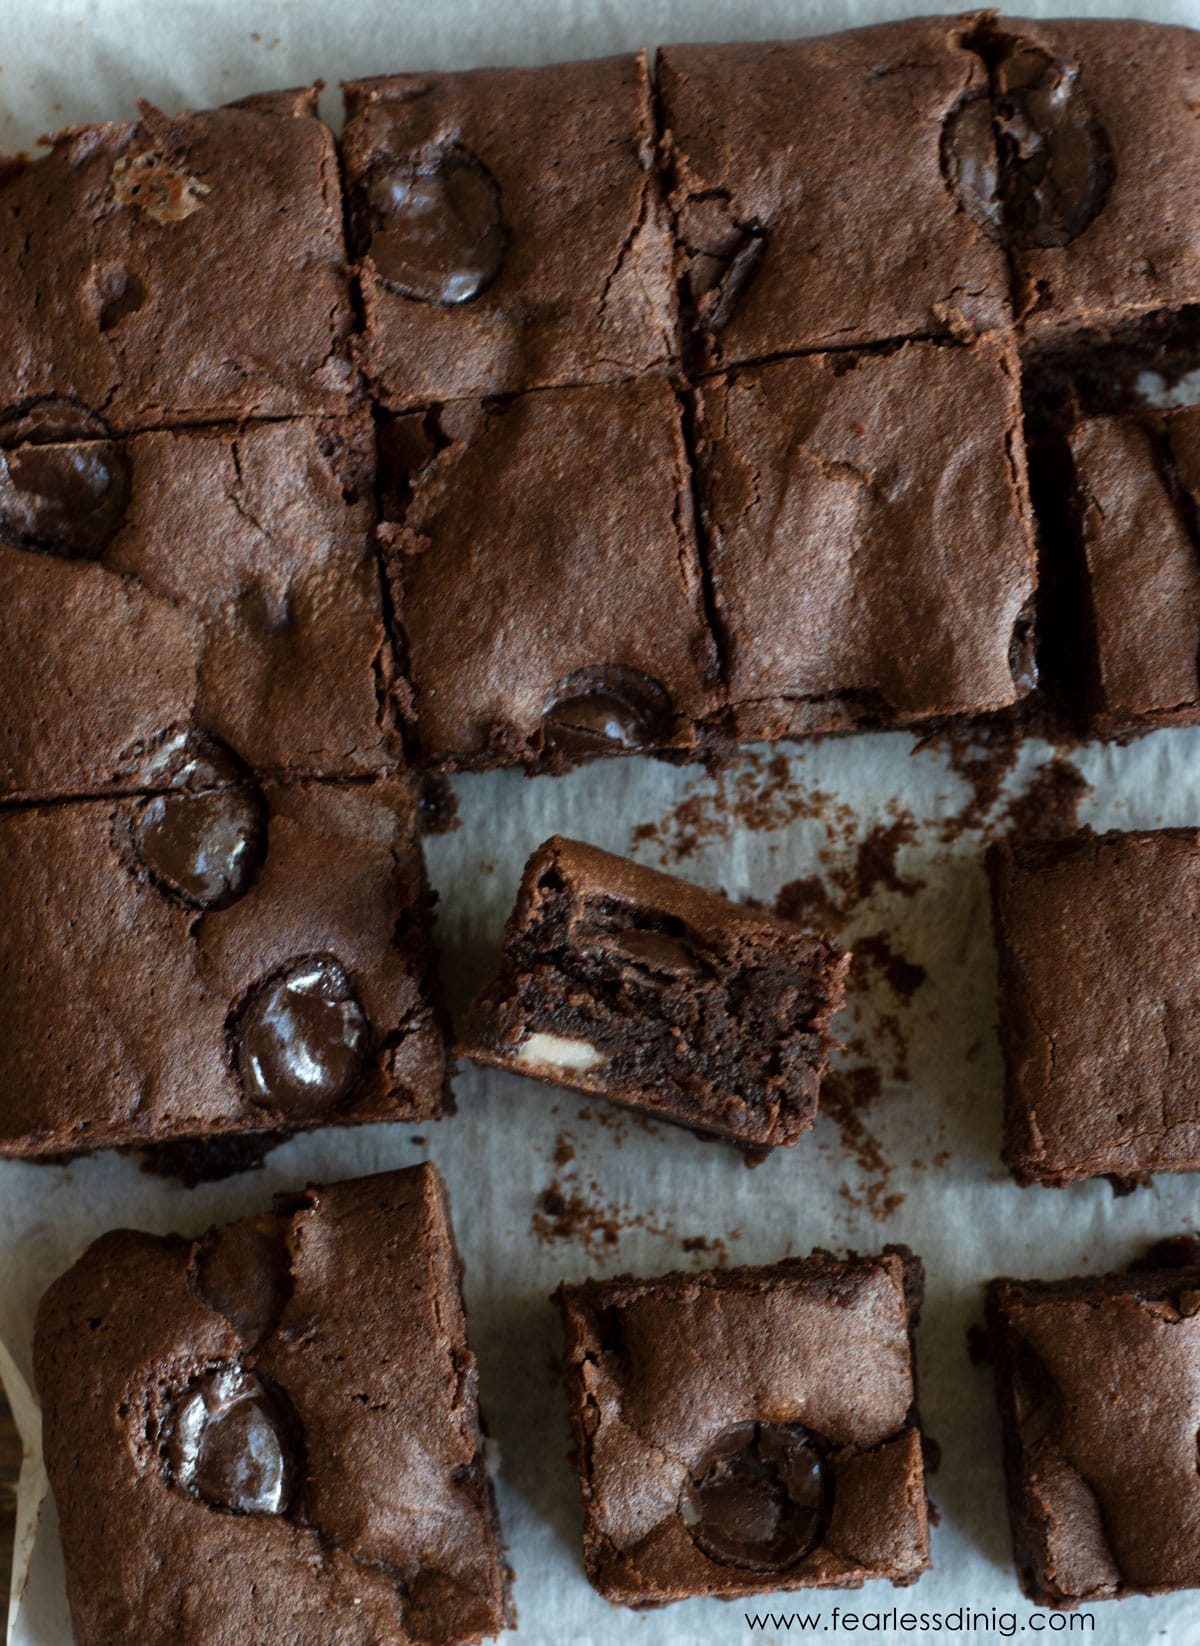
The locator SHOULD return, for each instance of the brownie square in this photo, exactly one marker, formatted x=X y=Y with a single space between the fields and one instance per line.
x=225 y=579
x=177 y=270
x=272 y=1432
x=1098 y=1003
x=1096 y=1380
x=809 y=198
x=215 y=960
x=545 y=578
x=1094 y=166
x=748 y=1430
x=1138 y=505
x=868 y=537
x=636 y=986
x=510 y=229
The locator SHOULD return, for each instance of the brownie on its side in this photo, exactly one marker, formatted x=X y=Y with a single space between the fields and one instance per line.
x=215 y=960
x=1096 y=1379
x=1138 y=502
x=618 y=980
x=1084 y=160
x=510 y=229
x=808 y=192
x=745 y=1430
x=545 y=577
x=225 y=579
x=272 y=1432
x=180 y=270
x=869 y=537
x=1099 y=1003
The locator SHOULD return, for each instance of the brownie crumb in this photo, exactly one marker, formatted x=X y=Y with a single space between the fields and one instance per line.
x=903 y=977
x=1049 y=807
x=845 y=1094
x=438 y=805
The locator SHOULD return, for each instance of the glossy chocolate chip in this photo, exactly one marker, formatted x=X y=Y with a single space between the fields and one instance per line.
x=436 y=232
x=723 y=256
x=66 y=500
x=243 y=1270
x=301 y=1039
x=202 y=839
x=1029 y=162
x=229 y=1444
x=758 y=1496
x=1022 y=650
x=606 y=710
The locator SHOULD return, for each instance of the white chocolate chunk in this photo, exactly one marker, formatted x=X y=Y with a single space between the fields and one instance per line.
x=555 y=1052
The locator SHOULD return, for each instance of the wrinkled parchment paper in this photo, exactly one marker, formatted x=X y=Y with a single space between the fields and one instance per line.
x=635 y=1194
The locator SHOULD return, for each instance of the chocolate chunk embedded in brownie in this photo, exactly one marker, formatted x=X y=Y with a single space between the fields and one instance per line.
x=1096 y=1379
x=618 y=980
x=869 y=539
x=748 y=1430
x=272 y=1432
x=179 y=270
x=545 y=578
x=510 y=228
x=810 y=204
x=214 y=960
x=224 y=579
x=1098 y=1003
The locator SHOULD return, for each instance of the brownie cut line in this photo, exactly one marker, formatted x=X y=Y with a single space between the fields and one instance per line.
x=219 y=959
x=186 y=269
x=1095 y=1378
x=272 y=1432
x=748 y=1430
x=643 y=989
x=1099 y=963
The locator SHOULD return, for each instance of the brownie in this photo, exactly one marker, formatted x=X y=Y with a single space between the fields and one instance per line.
x=746 y=1430
x=272 y=1432
x=178 y=270
x=544 y=574
x=809 y=199
x=1138 y=509
x=1096 y=1380
x=868 y=537
x=1098 y=1003
x=217 y=959
x=636 y=986
x=510 y=229
x=1089 y=167
x=224 y=579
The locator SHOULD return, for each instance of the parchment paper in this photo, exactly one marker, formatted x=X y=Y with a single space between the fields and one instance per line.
x=634 y=1194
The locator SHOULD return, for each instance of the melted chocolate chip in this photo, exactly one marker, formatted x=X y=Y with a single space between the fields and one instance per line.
x=202 y=840
x=436 y=233
x=723 y=256
x=243 y=1271
x=202 y=847
x=66 y=500
x=1028 y=161
x=301 y=1039
x=606 y=710
x=659 y=953
x=758 y=1496
x=1022 y=650
x=229 y=1444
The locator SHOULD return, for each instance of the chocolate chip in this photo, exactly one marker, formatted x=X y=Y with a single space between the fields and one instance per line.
x=658 y=953
x=243 y=1270
x=758 y=1496
x=1028 y=161
x=301 y=1039
x=229 y=1444
x=723 y=256
x=1022 y=650
x=434 y=223
x=203 y=839
x=66 y=500
x=606 y=709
